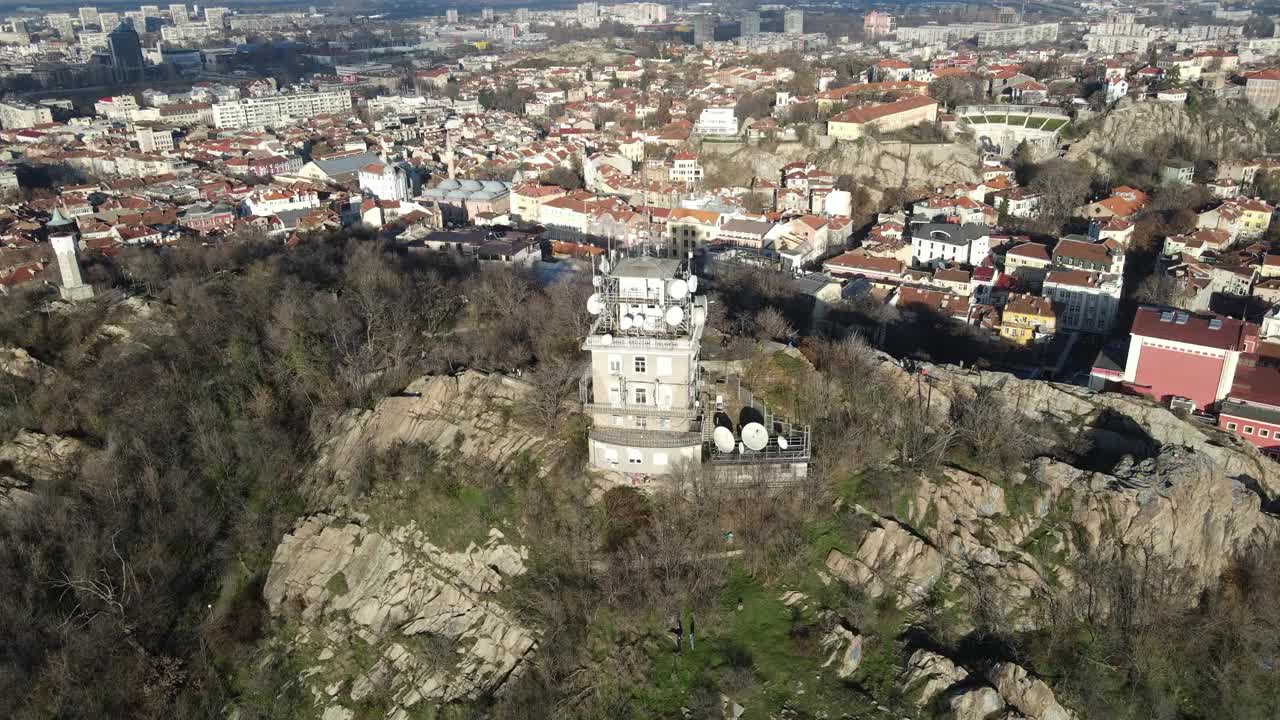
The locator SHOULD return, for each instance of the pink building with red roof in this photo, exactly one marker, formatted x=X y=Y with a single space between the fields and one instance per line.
x=1176 y=354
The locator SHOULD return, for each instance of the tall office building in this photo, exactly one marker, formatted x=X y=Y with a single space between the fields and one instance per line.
x=215 y=17
x=589 y=14
x=178 y=13
x=89 y=18
x=750 y=24
x=63 y=23
x=704 y=29
x=486 y=14
x=793 y=22
x=522 y=15
x=126 y=53
x=451 y=16
x=108 y=20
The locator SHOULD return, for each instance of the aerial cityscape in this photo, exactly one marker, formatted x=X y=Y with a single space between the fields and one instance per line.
x=875 y=360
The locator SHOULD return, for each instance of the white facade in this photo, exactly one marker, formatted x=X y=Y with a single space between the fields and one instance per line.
x=944 y=243
x=1088 y=306
x=717 y=121
x=389 y=182
x=793 y=22
x=643 y=392
x=276 y=108
x=17 y=115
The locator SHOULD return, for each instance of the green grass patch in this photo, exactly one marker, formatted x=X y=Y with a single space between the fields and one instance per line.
x=1054 y=124
x=1017 y=120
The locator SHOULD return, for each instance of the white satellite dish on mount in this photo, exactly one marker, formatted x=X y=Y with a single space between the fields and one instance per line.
x=677 y=289
x=675 y=315
x=604 y=265
x=723 y=438
x=693 y=283
x=606 y=339
x=754 y=436
x=625 y=323
x=594 y=306
x=782 y=443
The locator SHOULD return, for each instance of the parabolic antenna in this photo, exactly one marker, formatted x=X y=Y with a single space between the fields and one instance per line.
x=782 y=443
x=723 y=438
x=677 y=289
x=625 y=323
x=693 y=283
x=594 y=306
x=606 y=339
x=675 y=315
x=754 y=436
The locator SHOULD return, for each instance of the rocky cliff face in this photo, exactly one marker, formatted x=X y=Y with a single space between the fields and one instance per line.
x=395 y=615
x=472 y=414
x=31 y=458
x=1129 y=127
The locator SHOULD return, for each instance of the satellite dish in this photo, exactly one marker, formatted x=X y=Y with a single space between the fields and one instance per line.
x=677 y=289
x=606 y=339
x=675 y=315
x=782 y=443
x=604 y=265
x=754 y=436
x=594 y=306
x=626 y=322
x=723 y=438
x=699 y=315
x=595 y=280
x=693 y=283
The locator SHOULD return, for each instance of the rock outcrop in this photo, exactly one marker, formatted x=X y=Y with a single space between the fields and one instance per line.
x=31 y=458
x=1131 y=126
x=1029 y=695
x=929 y=674
x=890 y=559
x=472 y=414
x=17 y=362
x=410 y=622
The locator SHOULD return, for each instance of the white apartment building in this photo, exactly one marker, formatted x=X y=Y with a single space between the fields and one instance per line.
x=717 y=121
x=947 y=243
x=1084 y=301
x=152 y=139
x=386 y=181
x=272 y=200
x=261 y=111
x=793 y=22
x=1015 y=35
x=18 y=115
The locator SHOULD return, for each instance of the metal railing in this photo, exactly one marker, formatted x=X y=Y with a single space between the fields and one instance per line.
x=645 y=438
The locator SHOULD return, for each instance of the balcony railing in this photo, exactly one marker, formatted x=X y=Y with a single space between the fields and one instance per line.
x=645 y=438
x=645 y=410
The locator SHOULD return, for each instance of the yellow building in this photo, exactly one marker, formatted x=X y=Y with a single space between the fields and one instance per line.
x=692 y=229
x=853 y=124
x=1027 y=318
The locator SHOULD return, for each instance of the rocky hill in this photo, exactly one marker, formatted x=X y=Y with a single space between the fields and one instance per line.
x=1221 y=132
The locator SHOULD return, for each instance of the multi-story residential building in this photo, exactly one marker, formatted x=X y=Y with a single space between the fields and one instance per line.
x=263 y=111
x=1077 y=252
x=945 y=243
x=793 y=22
x=749 y=24
x=17 y=115
x=685 y=168
x=1084 y=301
x=1018 y=35
x=876 y=25
x=690 y=230
x=1242 y=218
x=642 y=393
x=387 y=181
x=1262 y=89
x=153 y=139
x=527 y=200
x=589 y=14
x=704 y=28
x=1027 y=319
